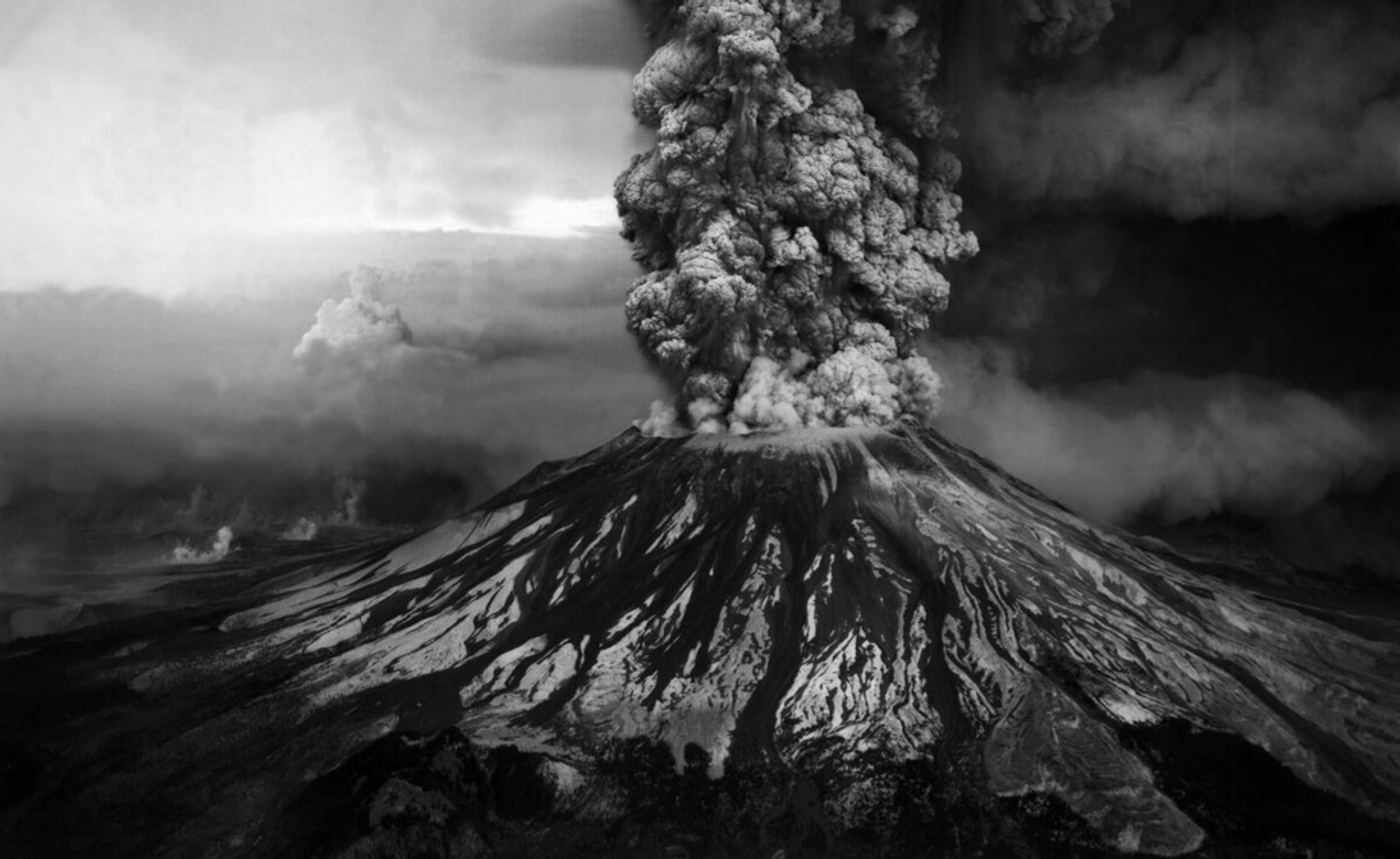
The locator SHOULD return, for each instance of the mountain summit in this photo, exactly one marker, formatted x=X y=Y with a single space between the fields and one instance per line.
x=832 y=604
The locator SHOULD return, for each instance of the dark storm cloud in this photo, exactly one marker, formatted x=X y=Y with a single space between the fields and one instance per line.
x=1054 y=28
x=1200 y=108
x=1184 y=303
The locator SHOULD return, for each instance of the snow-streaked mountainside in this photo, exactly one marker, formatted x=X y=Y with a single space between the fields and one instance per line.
x=827 y=602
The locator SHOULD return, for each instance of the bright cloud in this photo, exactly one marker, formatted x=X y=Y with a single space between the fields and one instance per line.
x=551 y=217
x=139 y=135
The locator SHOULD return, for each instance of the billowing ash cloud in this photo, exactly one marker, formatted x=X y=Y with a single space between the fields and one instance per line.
x=1241 y=108
x=793 y=214
x=1165 y=445
x=362 y=321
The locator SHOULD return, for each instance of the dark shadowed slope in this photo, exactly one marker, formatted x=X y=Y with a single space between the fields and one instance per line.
x=827 y=602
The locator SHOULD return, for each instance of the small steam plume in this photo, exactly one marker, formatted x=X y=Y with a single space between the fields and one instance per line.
x=349 y=494
x=348 y=509
x=223 y=543
x=793 y=214
x=362 y=321
x=303 y=530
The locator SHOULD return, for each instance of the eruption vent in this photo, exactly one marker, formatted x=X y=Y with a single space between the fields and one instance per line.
x=792 y=215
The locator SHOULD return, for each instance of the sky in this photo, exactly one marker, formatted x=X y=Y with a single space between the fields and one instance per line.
x=187 y=183
x=267 y=260
x=149 y=127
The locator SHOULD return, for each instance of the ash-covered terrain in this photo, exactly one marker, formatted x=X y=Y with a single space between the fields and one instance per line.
x=858 y=641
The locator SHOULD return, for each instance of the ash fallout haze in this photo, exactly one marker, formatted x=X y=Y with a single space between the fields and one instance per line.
x=700 y=427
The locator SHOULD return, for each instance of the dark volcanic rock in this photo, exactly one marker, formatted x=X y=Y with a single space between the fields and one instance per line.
x=854 y=641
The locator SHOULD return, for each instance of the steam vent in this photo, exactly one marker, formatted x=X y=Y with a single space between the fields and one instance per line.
x=816 y=640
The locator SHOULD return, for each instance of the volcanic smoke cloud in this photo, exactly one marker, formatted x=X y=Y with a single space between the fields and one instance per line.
x=1209 y=107
x=1165 y=445
x=793 y=213
x=359 y=322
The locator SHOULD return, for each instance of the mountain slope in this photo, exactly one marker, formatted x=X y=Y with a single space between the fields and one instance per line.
x=826 y=602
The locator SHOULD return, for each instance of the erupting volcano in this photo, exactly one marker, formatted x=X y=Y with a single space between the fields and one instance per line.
x=825 y=607
x=783 y=614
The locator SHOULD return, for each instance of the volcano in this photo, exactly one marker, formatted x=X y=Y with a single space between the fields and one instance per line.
x=825 y=633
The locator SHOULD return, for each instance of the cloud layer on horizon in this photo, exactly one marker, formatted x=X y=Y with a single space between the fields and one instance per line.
x=109 y=394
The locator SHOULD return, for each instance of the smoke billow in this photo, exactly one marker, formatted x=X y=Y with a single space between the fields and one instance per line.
x=793 y=214
x=302 y=531
x=362 y=321
x=1163 y=445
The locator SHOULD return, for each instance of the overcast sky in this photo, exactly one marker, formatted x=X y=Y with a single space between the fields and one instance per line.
x=138 y=132
x=186 y=184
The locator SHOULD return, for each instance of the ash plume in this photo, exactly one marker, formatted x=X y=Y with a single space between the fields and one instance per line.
x=793 y=214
